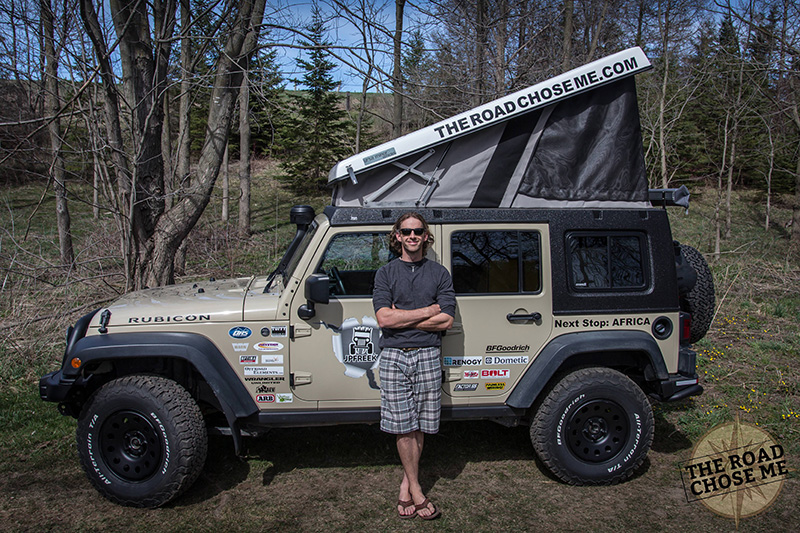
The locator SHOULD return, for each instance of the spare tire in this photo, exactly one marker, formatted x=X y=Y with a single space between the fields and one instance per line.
x=700 y=300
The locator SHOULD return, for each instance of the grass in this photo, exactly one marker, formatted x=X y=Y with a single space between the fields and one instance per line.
x=343 y=478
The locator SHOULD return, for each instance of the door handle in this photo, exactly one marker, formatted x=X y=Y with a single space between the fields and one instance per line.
x=526 y=317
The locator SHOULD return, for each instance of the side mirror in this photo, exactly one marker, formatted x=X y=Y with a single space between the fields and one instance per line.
x=317 y=292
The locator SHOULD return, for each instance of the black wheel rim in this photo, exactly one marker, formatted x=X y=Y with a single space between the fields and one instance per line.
x=597 y=431
x=130 y=445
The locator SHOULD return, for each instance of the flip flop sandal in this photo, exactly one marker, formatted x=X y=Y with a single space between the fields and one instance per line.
x=436 y=511
x=405 y=504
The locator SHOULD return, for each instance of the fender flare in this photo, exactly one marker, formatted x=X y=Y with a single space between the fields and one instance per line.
x=562 y=348
x=193 y=348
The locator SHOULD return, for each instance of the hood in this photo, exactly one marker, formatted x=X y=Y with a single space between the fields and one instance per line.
x=208 y=301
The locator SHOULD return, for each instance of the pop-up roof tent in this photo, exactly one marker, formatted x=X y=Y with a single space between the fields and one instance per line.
x=571 y=141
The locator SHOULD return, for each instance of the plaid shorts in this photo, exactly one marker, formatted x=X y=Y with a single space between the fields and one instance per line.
x=411 y=390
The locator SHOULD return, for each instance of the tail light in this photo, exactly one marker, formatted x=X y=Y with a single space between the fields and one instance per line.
x=686 y=327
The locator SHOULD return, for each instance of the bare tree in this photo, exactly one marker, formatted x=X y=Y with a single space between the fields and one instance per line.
x=244 y=157
x=397 y=71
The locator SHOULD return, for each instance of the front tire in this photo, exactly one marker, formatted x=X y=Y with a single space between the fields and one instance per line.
x=594 y=427
x=141 y=440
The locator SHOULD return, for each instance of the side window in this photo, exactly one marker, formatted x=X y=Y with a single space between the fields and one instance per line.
x=606 y=261
x=487 y=262
x=351 y=260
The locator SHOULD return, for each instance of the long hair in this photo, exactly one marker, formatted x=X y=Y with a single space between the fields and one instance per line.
x=394 y=244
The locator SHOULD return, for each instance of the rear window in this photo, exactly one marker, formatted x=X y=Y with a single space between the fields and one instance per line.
x=489 y=262
x=607 y=262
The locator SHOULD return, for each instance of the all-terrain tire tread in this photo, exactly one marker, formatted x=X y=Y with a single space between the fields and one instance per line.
x=540 y=427
x=701 y=300
x=183 y=412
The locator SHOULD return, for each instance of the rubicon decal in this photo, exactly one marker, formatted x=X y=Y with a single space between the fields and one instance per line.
x=240 y=332
x=175 y=318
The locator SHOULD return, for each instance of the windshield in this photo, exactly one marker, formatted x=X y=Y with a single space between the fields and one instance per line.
x=292 y=256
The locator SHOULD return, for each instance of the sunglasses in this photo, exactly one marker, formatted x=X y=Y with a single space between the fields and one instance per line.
x=407 y=231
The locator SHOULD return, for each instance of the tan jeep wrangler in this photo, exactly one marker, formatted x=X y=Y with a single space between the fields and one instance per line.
x=573 y=302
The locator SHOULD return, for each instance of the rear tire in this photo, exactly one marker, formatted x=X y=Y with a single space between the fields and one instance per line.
x=700 y=301
x=141 y=440
x=594 y=427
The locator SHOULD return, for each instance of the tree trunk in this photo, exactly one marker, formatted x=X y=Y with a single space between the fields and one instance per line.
x=226 y=186
x=397 y=72
x=566 y=49
x=244 y=158
x=52 y=106
x=184 y=140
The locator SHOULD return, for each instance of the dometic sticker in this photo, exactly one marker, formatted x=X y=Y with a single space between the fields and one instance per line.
x=462 y=361
x=500 y=360
x=284 y=397
x=272 y=359
x=240 y=346
x=240 y=332
x=495 y=373
x=268 y=346
x=461 y=387
x=471 y=374
x=356 y=345
x=248 y=359
x=496 y=386
x=265 y=398
x=263 y=371
x=279 y=331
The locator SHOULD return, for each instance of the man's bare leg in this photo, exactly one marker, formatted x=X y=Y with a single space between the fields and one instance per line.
x=409 y=447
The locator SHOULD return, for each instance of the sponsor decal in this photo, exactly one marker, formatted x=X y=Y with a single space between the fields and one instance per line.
x=268 y=346
x=284 y=397
x=261 y=380
x=355 y=345
x=248 y=359
x=271 y=359
x=263 y=371
x=496 y=386
x=265 y=332
x=240 y=346
x=240 y=332
x=462 y=361
x=279 y=331
x=175 y=318
x=379 y=156
x=264 y=389
x=737 y=470
x=501 y=360
x=500 y=348
x=460 y=387
x=471 y=374
x=495 y=373
x=265 y=398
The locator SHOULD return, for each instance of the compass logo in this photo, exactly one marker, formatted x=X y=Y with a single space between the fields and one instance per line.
x=737 y=470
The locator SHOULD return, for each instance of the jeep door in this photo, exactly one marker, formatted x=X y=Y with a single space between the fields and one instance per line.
x=501 y=275
x=334 y=354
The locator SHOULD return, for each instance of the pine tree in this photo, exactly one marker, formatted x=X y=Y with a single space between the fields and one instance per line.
x=318 y=133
